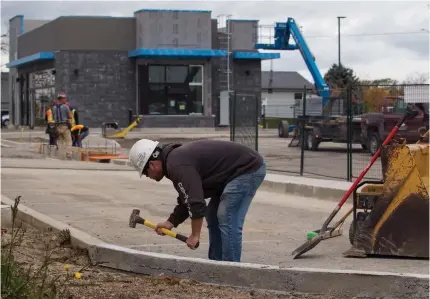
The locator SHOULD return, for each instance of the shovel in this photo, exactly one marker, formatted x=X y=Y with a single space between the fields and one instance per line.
x=331 y=232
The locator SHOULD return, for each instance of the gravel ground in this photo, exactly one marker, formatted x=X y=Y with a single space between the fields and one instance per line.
x=101 y=283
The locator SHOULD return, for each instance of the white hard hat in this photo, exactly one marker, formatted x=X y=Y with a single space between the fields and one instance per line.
x=140 y=153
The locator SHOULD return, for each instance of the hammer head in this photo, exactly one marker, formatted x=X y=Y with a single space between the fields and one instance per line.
x=133 y=218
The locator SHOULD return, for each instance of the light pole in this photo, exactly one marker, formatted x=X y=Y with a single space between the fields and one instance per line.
x=338 y=35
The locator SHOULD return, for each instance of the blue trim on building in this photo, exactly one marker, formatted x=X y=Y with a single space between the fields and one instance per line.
x=256 y=55
x=32 y=58
x=176 y=52
x=170 y=10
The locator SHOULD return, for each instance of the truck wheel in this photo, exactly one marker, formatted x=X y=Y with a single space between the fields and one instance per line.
x=311 y=141
x=283 y=129
x=374 y=143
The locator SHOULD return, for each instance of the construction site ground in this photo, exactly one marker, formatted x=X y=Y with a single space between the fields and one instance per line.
x=91 y=198
x=280 y=158
x=98 y=199
x=103 y=283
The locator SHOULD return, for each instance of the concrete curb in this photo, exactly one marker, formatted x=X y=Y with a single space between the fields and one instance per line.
x=124 y=162
x=335 y=282
x=306 y=187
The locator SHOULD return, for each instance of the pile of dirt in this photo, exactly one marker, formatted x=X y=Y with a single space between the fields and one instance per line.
x=98 y=282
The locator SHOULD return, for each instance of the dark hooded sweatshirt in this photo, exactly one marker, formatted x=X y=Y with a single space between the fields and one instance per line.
x=201 y=169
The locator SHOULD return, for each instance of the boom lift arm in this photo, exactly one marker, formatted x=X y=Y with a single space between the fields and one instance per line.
x=283 y=32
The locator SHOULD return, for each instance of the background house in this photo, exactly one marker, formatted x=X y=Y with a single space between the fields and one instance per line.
x=286 y=88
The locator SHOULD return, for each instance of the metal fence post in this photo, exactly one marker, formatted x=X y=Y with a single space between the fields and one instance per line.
x=349 y=133
x=231 y=116
x=256 y=122
x=233 y=104
x=130 y=116
x=302 y=133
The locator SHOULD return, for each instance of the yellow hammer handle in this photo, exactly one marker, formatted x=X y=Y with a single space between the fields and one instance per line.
x=165 y=231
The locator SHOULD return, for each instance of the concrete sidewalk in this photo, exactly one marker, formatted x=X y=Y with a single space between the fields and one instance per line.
x=293 y=185
x=99 y=202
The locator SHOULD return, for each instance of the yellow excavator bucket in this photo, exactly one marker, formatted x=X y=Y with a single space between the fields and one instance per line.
x=398 y=223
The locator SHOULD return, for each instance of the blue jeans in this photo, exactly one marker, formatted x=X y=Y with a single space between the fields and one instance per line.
x=225 y=217
x=78 y=141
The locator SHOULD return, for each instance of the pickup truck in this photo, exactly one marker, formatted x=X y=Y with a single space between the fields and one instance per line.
x=376 y=126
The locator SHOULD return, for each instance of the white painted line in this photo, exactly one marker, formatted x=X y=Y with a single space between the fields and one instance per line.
x=203 y=243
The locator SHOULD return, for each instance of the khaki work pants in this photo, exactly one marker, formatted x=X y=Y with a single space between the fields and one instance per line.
x=64 y=141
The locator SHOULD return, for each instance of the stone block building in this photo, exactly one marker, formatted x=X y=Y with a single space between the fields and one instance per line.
x=174 y=67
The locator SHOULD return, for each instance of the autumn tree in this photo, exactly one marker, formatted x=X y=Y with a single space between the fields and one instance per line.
x=376 y=93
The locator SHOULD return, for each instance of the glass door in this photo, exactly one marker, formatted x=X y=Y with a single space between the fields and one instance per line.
x=177 y=104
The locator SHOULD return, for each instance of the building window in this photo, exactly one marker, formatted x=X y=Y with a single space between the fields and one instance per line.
x=298 y=95
x=175 y=29
x=176 y=74
x=196 y=74
x=41 y=92
x=175 y=15
x=174 y=90
x=156 y=74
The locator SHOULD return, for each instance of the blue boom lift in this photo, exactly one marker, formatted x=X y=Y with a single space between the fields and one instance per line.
x=283 y=33
x=318 y=128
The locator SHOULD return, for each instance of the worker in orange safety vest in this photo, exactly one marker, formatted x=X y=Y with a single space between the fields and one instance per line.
x=79 y=132
x=50 y=125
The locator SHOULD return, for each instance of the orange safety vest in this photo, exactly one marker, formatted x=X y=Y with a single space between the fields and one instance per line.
x=77 y=127
x=49 y=116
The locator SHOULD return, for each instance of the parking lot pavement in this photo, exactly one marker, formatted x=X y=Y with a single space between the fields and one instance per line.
x=100 y=202
x=330 y=161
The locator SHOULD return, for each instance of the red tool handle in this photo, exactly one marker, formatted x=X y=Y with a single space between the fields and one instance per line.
x=390 y=136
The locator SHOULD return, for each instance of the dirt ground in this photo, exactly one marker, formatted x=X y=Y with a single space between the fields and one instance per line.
x=102 y=283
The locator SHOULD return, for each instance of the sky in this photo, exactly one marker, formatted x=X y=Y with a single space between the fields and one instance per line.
x=379 y=39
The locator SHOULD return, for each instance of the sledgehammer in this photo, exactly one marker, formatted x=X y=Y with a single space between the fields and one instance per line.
x=135 y=218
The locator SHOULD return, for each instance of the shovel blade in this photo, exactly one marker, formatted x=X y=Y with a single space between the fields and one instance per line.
x=307 y=246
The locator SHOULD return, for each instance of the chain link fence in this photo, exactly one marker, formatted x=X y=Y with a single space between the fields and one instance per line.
x=244 y=119
x=379 y=108
x=339 y=133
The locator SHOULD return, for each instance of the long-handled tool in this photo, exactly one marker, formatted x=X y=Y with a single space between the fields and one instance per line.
x=410 y=113
x=331 y=232
x=135 y=218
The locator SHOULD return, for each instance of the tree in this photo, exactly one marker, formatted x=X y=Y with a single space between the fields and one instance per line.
x=374 y=97
x=4 y=43
x=339 y=77
x=417 y=78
